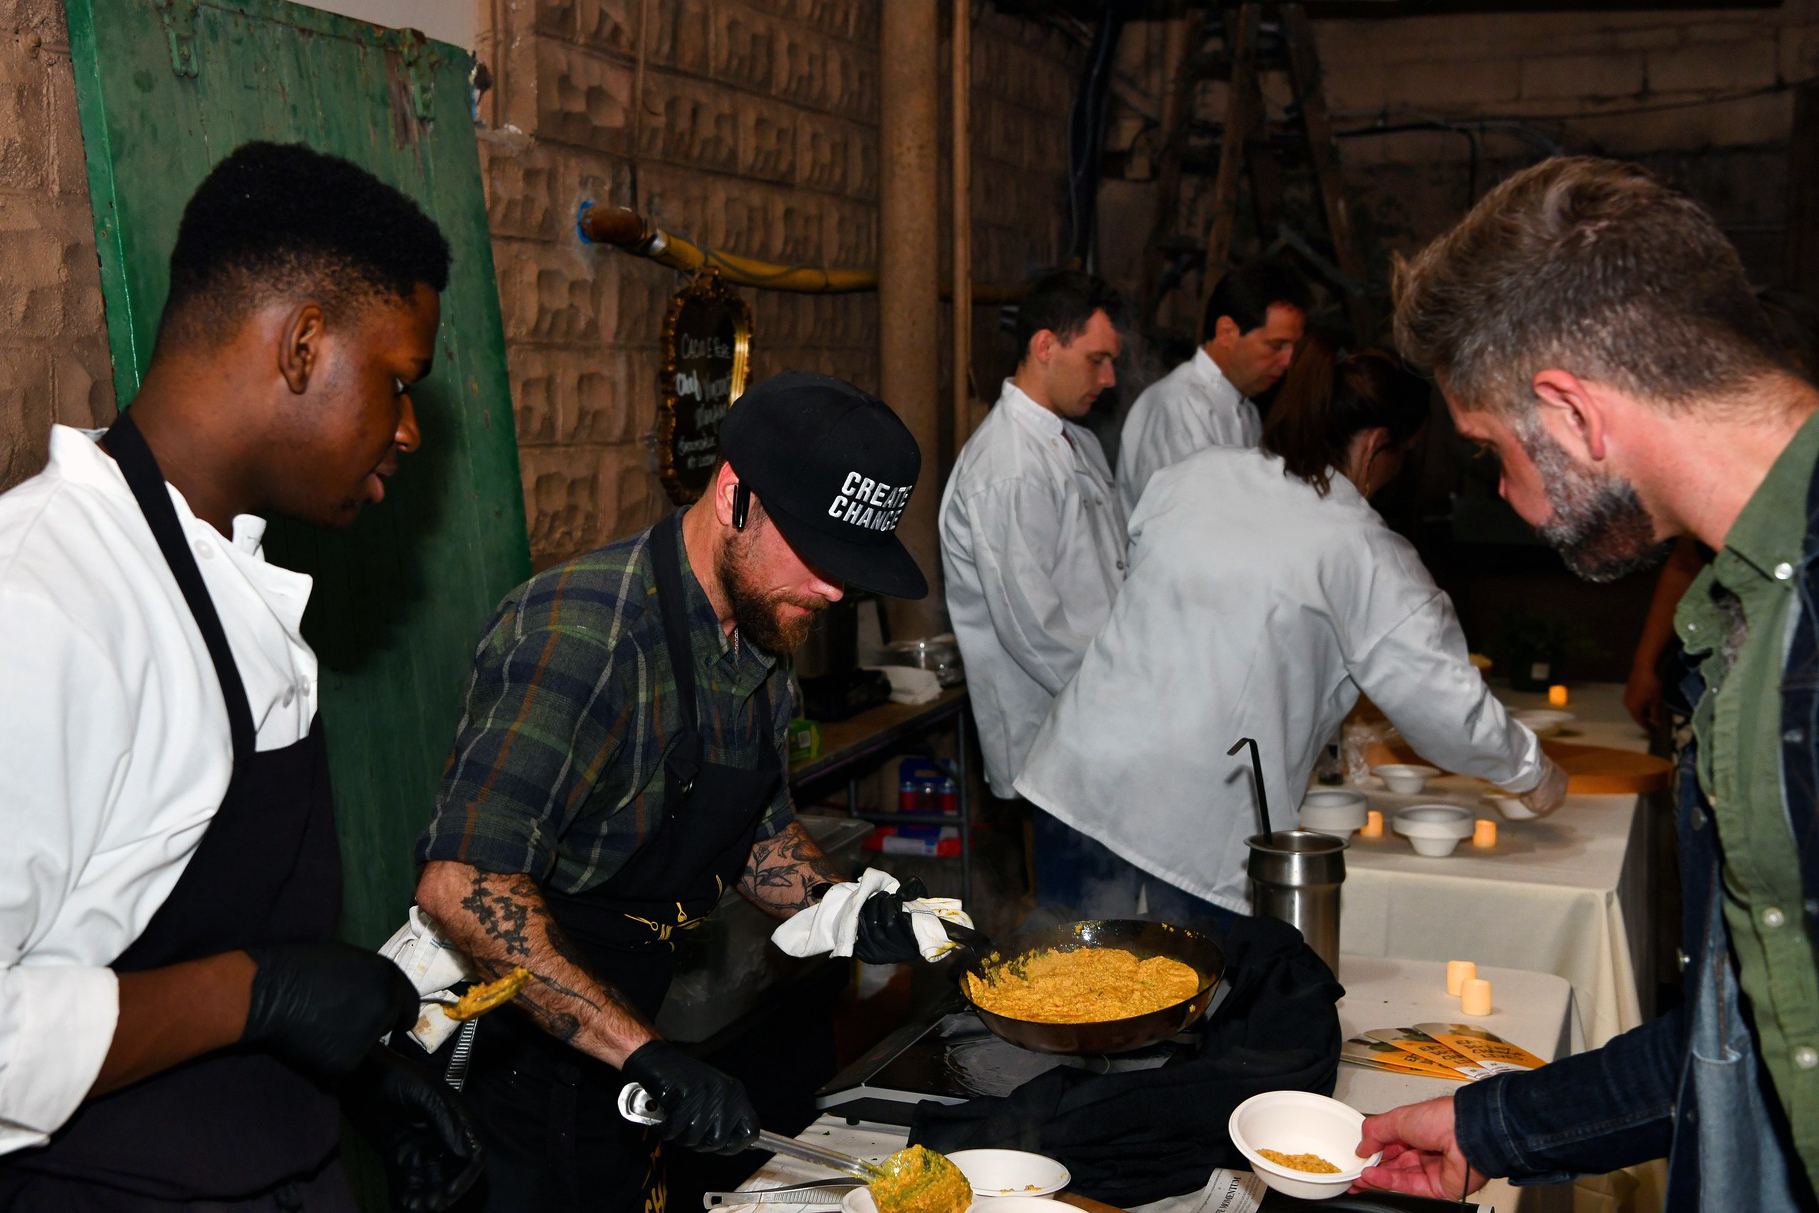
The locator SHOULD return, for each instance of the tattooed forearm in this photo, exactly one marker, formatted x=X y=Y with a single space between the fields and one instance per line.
x=502 y=922
x=780 y=871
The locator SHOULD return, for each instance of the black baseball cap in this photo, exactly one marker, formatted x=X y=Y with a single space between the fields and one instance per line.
x=834 y=468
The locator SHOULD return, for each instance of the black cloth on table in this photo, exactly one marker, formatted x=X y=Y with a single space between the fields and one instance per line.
x=1142 y=1135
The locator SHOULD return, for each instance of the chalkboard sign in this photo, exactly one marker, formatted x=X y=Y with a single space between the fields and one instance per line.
x=707 y=346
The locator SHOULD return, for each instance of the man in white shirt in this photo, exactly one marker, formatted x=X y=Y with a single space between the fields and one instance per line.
x=1032 y=535
x=175 y=1018
x=1253 y=319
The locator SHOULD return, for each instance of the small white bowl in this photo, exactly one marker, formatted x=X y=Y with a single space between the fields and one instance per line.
x=1001 y=1173
x=1333 y=811
x=1434 y=829
x=1511 y=807
x=1300 y=1122
x=1545 y=722
x=1404 y=778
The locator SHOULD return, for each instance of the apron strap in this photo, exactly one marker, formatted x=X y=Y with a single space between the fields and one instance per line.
x=672 y=599
x=136 y=462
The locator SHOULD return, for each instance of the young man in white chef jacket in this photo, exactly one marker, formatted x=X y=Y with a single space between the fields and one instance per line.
x=1253 y=320
x=1032 y=535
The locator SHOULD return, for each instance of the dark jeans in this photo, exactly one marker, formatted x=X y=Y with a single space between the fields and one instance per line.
x=1077 y=875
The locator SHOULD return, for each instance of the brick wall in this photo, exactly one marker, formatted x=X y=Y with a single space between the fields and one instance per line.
x=53 y=347
x=758 y=135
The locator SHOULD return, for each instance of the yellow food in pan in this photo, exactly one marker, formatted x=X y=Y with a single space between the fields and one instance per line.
x=918 y=1180
x=1311 y=1163
x=1084 y=985
x=482 y=998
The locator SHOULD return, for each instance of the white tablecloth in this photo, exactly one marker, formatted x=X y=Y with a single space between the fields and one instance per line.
x=1533 y=1010
x=1567 y=894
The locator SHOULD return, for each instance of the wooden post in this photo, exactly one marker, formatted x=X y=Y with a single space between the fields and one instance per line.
x=1310 y=90
x=1800 y=260
x=1184 y=39
x=1239 y=115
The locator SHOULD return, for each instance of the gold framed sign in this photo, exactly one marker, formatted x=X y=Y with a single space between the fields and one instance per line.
x=707 y=348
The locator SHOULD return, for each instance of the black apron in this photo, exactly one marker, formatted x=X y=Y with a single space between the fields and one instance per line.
x=237 y=1123
x=555 y=1140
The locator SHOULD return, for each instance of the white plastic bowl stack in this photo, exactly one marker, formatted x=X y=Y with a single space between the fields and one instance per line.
x=1333 y=811
x=1300 y=1122
x=1510 y=806
x=1434 y=829
x=1404 y=778
x=1545 y=722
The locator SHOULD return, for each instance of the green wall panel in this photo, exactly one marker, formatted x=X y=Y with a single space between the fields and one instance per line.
x=165 y=90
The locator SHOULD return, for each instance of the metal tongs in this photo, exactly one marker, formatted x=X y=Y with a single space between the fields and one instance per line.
x=640 y=1107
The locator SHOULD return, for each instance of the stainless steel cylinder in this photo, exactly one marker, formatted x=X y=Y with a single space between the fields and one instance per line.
x=1295 y=876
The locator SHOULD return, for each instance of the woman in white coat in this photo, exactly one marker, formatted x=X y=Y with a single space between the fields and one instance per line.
x=1263 y=594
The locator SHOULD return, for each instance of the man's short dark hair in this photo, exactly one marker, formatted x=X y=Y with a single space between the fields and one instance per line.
x=1595 y=267
x=282 y=218
x=1062 y=301
x=1247 y=293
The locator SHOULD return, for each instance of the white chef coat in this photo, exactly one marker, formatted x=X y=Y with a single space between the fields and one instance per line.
x=114 y=748
x=1032 y=537
x=1189 y=409
x=1254 y=608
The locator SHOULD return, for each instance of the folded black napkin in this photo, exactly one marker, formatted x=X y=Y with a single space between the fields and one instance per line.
x=1144 y=1135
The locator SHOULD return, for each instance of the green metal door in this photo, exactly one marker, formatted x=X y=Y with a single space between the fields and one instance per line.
x=168 y=87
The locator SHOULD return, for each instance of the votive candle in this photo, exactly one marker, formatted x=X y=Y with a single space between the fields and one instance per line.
x=1373 y=824
x=1556 y=697
x=1475 y=997
x=1458 y=972
x=1484 y=833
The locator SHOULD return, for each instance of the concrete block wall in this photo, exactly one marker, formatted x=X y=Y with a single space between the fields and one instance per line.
x=1697 y=94
x=53 y=345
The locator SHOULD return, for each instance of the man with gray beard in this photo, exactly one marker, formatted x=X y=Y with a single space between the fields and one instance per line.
x=619 y=765
x=1593 y=329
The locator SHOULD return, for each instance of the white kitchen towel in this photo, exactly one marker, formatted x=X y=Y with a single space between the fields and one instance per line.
x=909 y=684
x=833 y=925
x=433 y=965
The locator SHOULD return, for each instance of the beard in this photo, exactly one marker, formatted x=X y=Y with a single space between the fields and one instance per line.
x=759 y=614
x=1600 y=526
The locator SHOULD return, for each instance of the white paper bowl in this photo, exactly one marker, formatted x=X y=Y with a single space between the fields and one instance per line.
x=1333 y=811
x=1511 y=807
x=1300 y=1122
x=1404 y=779
x=1003 y=1173
x=1545 y=721
x=1433 y=829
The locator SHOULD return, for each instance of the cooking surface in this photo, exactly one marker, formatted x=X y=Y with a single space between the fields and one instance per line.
x=955 y=1058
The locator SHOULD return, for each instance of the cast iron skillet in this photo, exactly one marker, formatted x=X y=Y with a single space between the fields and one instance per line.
x=1146 y=939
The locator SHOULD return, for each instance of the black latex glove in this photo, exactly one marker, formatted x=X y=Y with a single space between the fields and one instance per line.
x=703 y=1109
x=418 y=1125
x=885 y=935
x=321 y=1006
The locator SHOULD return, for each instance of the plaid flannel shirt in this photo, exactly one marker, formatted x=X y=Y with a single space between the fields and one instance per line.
x=558 y=764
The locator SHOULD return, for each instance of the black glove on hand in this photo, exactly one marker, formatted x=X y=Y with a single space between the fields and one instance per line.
x=885 y=935
x=703 y=1109
x=419 y=1126
x=320 y=1006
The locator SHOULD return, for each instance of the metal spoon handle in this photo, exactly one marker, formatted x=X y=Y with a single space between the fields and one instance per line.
x=640 y=1107
x=846 y=1164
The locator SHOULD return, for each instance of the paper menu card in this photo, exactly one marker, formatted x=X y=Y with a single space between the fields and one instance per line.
x=1419 y=1044
x=1489 y=1050
x=1379 y=1055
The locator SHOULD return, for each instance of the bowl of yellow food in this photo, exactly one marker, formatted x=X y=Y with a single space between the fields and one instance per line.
x=1000 y=1173
x=1301 y=1144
